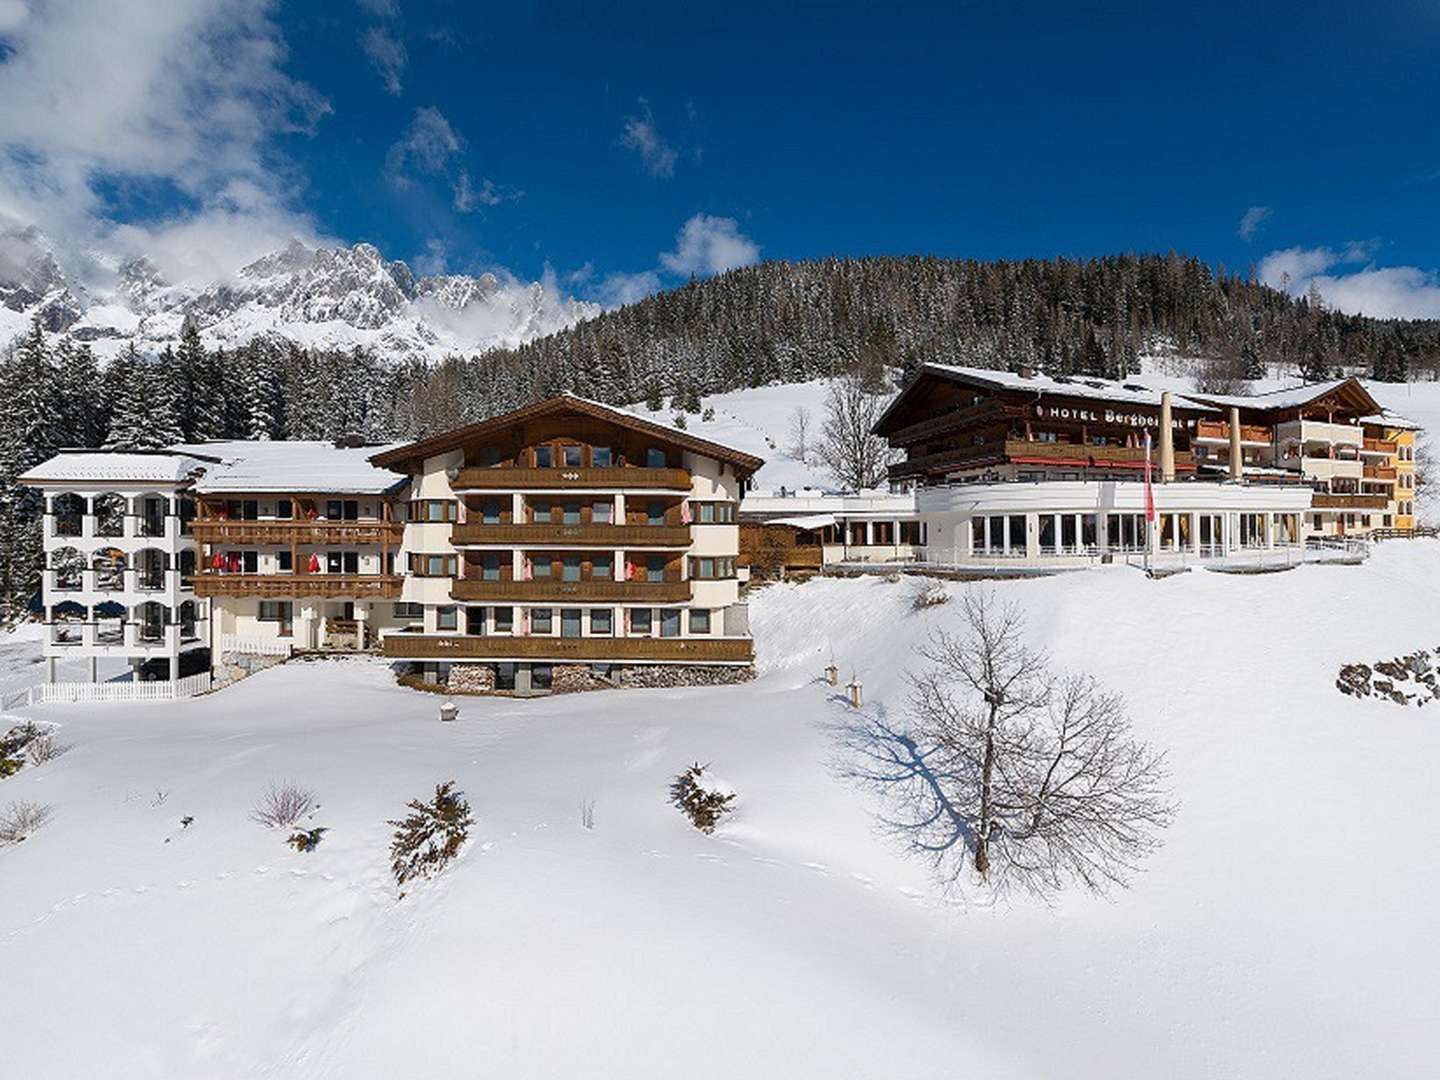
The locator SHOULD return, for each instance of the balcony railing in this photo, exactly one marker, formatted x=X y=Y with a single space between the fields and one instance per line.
x=1323 y=500
x=529 y=535
x=358 y=586
x=1378 y=446
x=580 y=650
x=658 y=592
x=285 y=533
x=508 y=478
x=1219 y=430
x=1074 y=455
x=1380 y=472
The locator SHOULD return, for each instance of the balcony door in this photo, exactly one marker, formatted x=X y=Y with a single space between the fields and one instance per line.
x=669 y=622
x=569 y=622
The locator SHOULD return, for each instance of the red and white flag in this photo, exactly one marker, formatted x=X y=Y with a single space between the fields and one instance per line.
x=1149 y=488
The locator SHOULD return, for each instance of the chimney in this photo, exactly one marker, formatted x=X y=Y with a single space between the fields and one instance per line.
x=1026 y=371
x=1167 y=440
x=1237 y=460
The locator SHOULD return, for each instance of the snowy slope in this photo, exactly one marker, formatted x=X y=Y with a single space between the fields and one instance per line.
x=1286 y=928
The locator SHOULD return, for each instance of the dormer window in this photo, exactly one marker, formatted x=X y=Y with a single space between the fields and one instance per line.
x=655 y=458
x=570 y=456
x=543 y=457
x=600 y=457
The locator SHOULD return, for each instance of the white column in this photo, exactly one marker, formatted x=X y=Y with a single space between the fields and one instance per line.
x=619 y=508
x=517 y=508
x=1194 y=532
x=50 y=669
x=362 y=621
x=94 y=667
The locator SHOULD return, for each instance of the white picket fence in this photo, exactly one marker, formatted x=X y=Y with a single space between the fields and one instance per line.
x=233 y=643
x=72 y=693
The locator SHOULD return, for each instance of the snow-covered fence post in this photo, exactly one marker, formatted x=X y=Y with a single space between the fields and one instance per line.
x=832 y=674
x=856 y=699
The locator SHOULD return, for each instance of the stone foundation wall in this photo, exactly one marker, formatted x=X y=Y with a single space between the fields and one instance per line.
x=232 y=667
x=576 y=678
x=471 y=679
x=663 y=676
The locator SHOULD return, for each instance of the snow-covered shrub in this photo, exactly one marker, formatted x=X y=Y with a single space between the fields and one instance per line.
x=932 y=595
x=304 y=840
x=13 y=746
x=44 y=748
x=21 y=819
x=431 y=835
x=701 y=798
x=9 y=766
x=283 y=805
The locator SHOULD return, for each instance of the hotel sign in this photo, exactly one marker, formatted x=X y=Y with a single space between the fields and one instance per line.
x=1107 y=417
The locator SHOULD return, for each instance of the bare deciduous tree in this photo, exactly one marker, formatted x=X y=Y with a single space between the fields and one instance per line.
x=857 y=457
x=1025 y=778
x=283 y=805
x=800 y=434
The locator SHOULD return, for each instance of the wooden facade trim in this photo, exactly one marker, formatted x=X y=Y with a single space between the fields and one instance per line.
x=212 y=531
x=582 y=649
x=1323 y=500
x=298 y=586
x=592 y=591
x=511 y=478
x=592 y=534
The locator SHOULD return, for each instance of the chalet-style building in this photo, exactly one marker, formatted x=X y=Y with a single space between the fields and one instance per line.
x=567 y=543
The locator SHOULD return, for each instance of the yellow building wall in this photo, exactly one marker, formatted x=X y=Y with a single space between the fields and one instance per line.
x=1403 y=461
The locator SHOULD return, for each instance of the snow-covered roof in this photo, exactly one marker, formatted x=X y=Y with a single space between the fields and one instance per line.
x=1287 y=398
x=81 y=466
x=807 y=521
x=1130 y=392
x=293 y=465
x=1391 y=420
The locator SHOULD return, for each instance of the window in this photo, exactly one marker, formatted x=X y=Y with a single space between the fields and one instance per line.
x=542 y=620
x=569 y=622
x=489 y=455
x=504 y=620
x=1017 y=533
x=655 y=568
x=342 y=509
x=572 y=513
x=542 y=457
x=570 y=456
x=640 y=620
x=600 y=457
x=275 y=611
x=433 y=510
x=714 y=513
x=541 y=676
x=669 y=622
x=342 y=562
x=284 y=509
x=654 y=458
x=447 y=618
x=602 y=621
x=602 y=513
x=240 y=509
x=541 y=511
x=284 y=563
x=250 y=562
x=699 y=621
x=490 y=566
x=570 y=568
x=707 y=568
x=432 y=565
x=655 y=513
x=540 y=566
x=404 y=609
x=602 y=567
x=505 y=676
x=474 y=620
x=490 y=512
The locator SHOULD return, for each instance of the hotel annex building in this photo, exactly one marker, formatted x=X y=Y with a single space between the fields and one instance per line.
x=564 y=545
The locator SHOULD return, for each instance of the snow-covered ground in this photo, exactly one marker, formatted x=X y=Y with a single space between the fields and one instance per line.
x=1286 y=928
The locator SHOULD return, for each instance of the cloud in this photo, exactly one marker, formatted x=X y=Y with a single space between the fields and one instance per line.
x=617 y=290
x=1387 y=292
x=381 y=9
x=431 y=147
x=1252 y=220
x=641 y=135
x=184 y=102
x=708 y=245
x=387 y=54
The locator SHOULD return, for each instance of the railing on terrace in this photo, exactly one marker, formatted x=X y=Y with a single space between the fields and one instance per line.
x=509 y=478
x=285 y=533
x=360 y=586
x=581 y=649
x=553 y=533
x=659 y=592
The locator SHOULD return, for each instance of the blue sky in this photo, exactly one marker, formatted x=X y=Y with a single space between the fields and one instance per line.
x=622 y=147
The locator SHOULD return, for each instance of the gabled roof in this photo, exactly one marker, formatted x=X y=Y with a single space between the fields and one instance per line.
x=1295 y=396
x=1078 y=386
x=1391 y=420
x=253 y=466
x=561 y=404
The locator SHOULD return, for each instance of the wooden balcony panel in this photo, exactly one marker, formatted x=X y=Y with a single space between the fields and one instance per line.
x=1379 y=446
x=657 y=592
x=300 y=586
x=1220 y=429
x=1322 y=500
x=509 y=478
x=285 y=533
x=580 y=650
x=535 y=534
x=1379 y=472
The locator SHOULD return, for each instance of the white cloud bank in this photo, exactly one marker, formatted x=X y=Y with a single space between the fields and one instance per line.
x=704 y=246
x=1389 y=292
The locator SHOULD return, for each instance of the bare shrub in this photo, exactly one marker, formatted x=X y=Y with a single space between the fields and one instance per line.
x=587 y=815
x=929 y=595
x=700 y=798
x=431 y=835
x=283 y=805
x=20 y=820
x=44 y=748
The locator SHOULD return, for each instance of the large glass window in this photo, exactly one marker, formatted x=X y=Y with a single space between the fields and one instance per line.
x=1047 y=534
x=490 y=512
x=699 y=621
x=570 y=568
x=475 y=620
x=602 y=621
x=655 y=513
x=542 y=457
x=655 y=458
x=504 y=620
x=602 y=513
x=542 y=620
x=600 y=457
x=655 y=568
x=447 y=618
x=602 y=567
x=670 y=622
x=1017 y=534
x=541 y=510
x=572 y=513
x=490 y=566
x=640 y=620
x=570 y=456
x=569 y=622
x=997 y=535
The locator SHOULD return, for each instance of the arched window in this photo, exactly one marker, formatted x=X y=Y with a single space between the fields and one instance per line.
x=109 y=514
x=67 y=623
x=150 y=620
x=109 y=564
x=187 y=621
x=69 y=510
x=150 y=566
x=109 y=623
x=69 y=567
x=187 y=564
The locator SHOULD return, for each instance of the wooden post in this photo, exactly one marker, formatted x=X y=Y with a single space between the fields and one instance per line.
x=832 y=675
x=856 y=699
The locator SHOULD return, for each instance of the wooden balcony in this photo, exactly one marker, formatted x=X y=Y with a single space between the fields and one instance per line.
x=544 y=534
x=621 y=477
x=1378 y=446
x=1323 y=500
x=579 y=650
x=575 y=592
x=1380 y=472
x=304 y=533
x=1057 y=454
x=299 y=586
x=1219 y=431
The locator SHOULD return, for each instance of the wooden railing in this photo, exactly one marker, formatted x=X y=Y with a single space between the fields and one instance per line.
x=659 y=592
x=285 y=533
x=509 y=478
x=550 y=533
x=1323 y=500
x=1379 y=472
x=358 y=586
x=1220 y=429
x=1379 y=446
x=581 y=650
x=1079 y=455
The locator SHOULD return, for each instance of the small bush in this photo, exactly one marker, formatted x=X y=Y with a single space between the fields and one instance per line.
x=43 y=748
x=304 y=840
x=431 y=835
x=932 y=595
x=14 y=741
x=9 y=766
x=20 y=820
x=700 y=798
x=283 y=805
